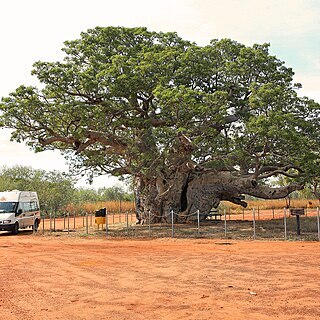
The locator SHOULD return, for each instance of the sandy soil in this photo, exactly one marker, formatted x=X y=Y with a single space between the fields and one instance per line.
x=48 y=277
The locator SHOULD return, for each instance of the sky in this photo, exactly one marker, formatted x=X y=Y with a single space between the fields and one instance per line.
x=36 y=29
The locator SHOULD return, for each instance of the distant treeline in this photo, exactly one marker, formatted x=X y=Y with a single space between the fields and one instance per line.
x=56 y=189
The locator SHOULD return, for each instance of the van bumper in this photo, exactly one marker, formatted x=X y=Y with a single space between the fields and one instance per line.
x=6 y=227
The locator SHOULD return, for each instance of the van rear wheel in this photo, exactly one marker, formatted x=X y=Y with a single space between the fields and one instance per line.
x=15 y=229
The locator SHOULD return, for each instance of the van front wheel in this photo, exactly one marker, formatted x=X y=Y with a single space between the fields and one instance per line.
x=15 y=229
x=36 y=225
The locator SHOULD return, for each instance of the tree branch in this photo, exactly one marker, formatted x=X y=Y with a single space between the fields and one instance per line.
x=106 y=140
x=275 y=172
x=67 y=140
x=266 y=192
x=92 y=138
x=269 y=171
x=236 y=199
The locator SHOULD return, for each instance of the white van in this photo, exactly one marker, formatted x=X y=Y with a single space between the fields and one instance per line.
x=19 y=209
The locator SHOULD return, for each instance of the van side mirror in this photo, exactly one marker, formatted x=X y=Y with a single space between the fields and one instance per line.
x=19 y=212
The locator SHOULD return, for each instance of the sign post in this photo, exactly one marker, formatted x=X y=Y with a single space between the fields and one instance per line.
x=297 y=213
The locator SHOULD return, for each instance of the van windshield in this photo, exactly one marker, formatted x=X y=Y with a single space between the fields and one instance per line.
x=8 y=207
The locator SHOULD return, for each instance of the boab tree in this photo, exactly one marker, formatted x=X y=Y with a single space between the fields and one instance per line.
x=193 y=125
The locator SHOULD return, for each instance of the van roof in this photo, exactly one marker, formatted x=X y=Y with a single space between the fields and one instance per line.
x=14 y=195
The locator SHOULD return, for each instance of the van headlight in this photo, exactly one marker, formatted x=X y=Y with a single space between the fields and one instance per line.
x=6 y=221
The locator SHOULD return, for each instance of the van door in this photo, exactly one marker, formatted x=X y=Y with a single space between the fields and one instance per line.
x=20 y=215
x=28 y=214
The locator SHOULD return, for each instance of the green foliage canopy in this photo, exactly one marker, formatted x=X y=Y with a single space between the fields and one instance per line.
x=122 y=95
x=115 y=193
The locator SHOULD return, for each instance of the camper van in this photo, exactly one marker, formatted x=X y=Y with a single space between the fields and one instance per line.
x=19 y=210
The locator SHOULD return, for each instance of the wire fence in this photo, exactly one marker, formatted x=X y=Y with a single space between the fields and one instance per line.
x=246 y=224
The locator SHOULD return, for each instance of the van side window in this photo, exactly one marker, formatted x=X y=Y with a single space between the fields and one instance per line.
x=26 y=206
x=29 y=206
x=34 y=206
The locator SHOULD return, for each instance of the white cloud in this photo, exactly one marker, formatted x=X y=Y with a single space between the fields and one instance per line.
x=255 y=21
x=310 y=85
x=13 y=153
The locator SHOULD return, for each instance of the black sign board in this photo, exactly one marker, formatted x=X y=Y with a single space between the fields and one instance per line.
x=297 y=212
x=101 y=213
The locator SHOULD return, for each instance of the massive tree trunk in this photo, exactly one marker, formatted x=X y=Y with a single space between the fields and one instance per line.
x=190 y=190
x=207 y=189
x=184 y=187
x=158 y=196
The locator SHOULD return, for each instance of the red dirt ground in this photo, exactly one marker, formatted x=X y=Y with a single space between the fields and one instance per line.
x=48 y=277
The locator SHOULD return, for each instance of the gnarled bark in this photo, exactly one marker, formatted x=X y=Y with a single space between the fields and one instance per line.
x=190 y=190
x=206 y=191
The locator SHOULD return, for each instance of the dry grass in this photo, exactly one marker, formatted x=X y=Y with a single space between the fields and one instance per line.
x=273 y=204
x=112 y=206
x=124 y=206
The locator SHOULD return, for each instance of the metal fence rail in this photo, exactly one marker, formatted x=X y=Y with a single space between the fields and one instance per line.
x=246 y=224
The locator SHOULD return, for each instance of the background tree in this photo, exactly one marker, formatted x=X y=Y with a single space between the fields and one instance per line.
x=313 y=183
x=83 y=195
x=192 y=125
x=115 y=193
x=55 y=189
x=314 y=187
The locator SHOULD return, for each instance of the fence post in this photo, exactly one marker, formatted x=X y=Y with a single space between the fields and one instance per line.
x=258 y=213
x=74 y=220
x=198 y=217
x=254 y=223
x=285 y=222
x=87 y=227
x=318 y=223
x=272 y=212
x=54 y=222
x=225 y=222
x=149 y=219
x=64 y=221
x=50 y=217
x=127 y=218
x=68 y=217
x=83 y=219
x=172 y=231
x=107 y=224
x=242 y=213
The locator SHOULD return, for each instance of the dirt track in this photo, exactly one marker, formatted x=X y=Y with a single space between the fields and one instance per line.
x=86 y=278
